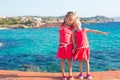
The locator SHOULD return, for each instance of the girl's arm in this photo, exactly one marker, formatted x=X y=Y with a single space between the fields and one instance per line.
x=96 y=31
x=50 y=24
x=74 y=43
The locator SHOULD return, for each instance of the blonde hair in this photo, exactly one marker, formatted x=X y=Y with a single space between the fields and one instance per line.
x=77 y=19
x=70 y=14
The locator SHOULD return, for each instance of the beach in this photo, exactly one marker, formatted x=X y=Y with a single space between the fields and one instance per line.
x=20 y=75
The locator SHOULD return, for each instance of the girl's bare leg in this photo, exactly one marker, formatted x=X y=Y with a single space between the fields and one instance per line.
x=62 y=62
x=80 y=66
x=70 y=66
x=89 y=77
x=87 y=66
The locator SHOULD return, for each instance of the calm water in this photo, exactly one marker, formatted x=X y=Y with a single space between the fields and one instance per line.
x=35 y=49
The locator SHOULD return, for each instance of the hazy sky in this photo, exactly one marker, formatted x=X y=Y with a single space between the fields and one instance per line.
x=84 y=8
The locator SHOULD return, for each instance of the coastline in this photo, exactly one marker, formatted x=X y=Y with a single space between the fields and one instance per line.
x=40 y=22
x=21 y=75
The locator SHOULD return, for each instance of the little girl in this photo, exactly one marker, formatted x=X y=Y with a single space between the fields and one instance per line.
x=82 y=50
x=66 y=43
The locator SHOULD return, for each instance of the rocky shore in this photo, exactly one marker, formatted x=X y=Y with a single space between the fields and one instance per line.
x=39 y=22
x=14 y=27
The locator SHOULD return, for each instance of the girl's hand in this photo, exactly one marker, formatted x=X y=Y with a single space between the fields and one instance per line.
x=73 y=51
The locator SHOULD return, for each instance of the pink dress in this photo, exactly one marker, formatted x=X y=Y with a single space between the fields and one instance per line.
x=82 y=50
x=65 y=44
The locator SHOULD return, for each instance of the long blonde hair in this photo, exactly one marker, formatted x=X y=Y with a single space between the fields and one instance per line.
x=70 y=14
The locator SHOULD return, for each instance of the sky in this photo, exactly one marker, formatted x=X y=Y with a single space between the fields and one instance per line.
x=84 y=8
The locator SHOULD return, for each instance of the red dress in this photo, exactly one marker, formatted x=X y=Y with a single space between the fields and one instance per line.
x=65 y=44
x=82 y=50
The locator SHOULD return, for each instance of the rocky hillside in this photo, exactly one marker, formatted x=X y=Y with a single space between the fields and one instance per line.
x=49 y=21
x=96 y=19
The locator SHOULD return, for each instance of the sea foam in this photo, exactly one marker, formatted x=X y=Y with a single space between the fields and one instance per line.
x=1 y=44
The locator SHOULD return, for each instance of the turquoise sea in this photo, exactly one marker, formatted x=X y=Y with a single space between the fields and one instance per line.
x=35 y=49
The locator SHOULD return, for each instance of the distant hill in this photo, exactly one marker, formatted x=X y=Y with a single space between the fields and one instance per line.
x=116 y=19
x=45 y=21
x=96 y=19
